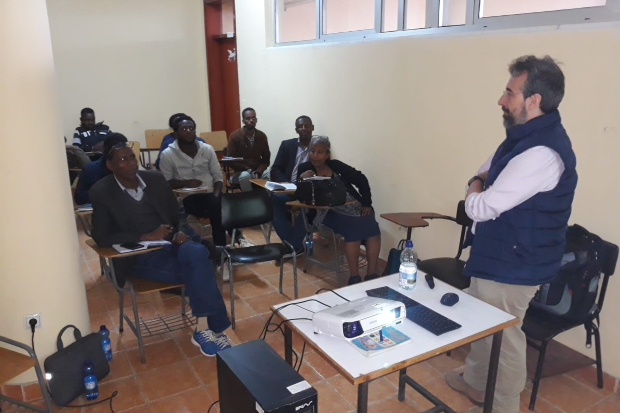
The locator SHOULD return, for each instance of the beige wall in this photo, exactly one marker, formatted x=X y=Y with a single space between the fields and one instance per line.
x=134 y=62
x=39 y=252
x=418 y=115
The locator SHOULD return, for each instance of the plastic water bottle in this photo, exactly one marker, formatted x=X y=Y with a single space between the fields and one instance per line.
x=408 y=267
x=309 y=244
x=105 y=342
x=90 y=381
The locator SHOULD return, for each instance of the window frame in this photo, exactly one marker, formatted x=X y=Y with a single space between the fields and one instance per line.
x=550 y=20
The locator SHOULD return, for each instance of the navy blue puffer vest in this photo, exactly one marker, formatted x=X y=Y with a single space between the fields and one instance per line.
x=524 y=246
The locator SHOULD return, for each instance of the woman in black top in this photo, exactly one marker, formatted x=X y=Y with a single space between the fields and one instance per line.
x=354 y=221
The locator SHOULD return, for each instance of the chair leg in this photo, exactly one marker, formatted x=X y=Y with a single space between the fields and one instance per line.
x=307 y=253
x=183 y=301
x=232 y=293
x=266 y=229
x=599 y=360
x=295 y=274
x=281 y=274
x=539 y=367
x=136 y=317
x=121 y=304
x=337 y=259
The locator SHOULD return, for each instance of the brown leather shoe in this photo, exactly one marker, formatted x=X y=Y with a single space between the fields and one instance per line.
x=455 y=380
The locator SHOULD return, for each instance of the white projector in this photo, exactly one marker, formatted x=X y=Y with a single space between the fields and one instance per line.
x=358 y=317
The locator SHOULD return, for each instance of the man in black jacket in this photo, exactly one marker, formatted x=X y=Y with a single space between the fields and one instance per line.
x=292 y=153
x=132 y=206
x=90 y=135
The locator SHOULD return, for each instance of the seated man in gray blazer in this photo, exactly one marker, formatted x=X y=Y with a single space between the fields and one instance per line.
x=134 y=206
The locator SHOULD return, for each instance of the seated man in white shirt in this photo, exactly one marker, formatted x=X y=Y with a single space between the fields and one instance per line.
x=189 y=163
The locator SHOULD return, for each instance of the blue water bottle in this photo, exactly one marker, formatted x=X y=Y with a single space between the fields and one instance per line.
x=105 y=342
x=309 y=244
x=90 y=381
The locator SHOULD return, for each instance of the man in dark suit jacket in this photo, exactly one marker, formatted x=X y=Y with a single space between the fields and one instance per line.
x=132 y=206
x=292 y=153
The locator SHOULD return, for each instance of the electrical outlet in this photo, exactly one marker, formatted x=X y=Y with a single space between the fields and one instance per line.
x=27 y=318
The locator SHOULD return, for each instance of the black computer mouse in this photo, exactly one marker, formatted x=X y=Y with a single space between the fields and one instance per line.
x=449 y=299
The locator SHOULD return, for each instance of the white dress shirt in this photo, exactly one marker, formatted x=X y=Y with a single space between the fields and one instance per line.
x=176 y=164
x=136 y=194
x=537 y=169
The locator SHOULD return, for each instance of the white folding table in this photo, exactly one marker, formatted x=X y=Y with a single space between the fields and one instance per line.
x=477 y=318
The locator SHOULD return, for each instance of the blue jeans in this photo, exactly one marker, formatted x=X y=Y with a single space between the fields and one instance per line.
x=294 y=234
x=188 y=264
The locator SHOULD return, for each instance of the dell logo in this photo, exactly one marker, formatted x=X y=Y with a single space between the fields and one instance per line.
x=303 y=406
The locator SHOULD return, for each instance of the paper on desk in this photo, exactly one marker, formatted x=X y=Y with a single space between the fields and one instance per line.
x=274 y=186
x=230 y=158
x=84 y=208
x=317 y=178
x=199 y=188
x=145 y=245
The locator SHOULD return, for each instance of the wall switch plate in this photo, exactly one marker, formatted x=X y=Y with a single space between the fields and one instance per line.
x=27 y=318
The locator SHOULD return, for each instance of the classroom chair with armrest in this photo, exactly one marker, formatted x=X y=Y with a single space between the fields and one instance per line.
x=15 y=363
x=217 y=139
x=154 y=137
x=138 y=286
x=450 y=270
x=248 y=209
x=542 y=326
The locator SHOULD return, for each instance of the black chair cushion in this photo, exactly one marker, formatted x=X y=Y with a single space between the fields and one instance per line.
x=541 y=325
x=258 y=253
x=448 y=270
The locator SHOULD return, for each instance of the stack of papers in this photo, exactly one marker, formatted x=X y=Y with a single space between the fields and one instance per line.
x=317 y=178
x=84 y=208
x=230 y=158
x=274 y=186
x=144 y=245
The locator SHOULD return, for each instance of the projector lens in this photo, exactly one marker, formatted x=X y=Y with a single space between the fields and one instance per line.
x=351 y=330
x=397 y=312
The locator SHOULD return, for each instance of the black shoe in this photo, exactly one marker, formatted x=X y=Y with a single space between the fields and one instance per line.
x=354 y=280
x=371 y=277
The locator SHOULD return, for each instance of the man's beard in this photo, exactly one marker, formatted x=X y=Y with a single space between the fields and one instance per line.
x=512 y=121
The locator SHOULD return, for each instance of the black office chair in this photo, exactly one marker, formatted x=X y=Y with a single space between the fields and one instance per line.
x=543 y=326
x=248 y=209
x=450 y=270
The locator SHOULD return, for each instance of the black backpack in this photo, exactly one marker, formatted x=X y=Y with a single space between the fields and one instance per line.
x=572 y=295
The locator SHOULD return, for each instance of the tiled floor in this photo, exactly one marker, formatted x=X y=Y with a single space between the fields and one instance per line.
x=178 y=379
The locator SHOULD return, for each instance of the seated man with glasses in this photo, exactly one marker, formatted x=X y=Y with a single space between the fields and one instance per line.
x=134 y=206
x=189 y=163
x=94 y=171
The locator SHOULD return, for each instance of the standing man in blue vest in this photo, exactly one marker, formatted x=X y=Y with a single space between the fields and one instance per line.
x=520 y=202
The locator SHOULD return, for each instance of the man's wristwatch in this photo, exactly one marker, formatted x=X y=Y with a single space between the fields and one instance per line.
x=475 y=178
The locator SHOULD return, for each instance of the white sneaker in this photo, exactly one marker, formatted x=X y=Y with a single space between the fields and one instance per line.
x=244 y=243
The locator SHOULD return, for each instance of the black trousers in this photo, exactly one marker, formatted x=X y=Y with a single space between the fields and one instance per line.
x=207 y=206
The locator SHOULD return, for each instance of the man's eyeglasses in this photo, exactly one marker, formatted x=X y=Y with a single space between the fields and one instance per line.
x=509 y=93
x=121 y=145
